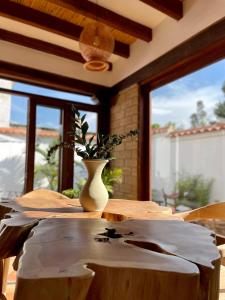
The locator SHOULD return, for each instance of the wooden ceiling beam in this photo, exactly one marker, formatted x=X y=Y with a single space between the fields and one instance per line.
x=106 y=16
x=172 y=8
x=42 y=46
x=29 y=75
x=50 y=23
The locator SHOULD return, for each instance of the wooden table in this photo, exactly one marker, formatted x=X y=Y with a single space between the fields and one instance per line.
x=71 y=255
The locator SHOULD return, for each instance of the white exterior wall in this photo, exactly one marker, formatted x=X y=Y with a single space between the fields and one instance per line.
x=161 y=172
x=196 y=154
x=12 y=163
x=5 y=104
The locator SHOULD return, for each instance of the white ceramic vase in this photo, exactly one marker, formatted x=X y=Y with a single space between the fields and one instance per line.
x=94 y=195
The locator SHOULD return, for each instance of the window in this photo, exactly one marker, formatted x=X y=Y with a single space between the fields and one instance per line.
x=48 y=133
x=40 y=112
x=188 y=139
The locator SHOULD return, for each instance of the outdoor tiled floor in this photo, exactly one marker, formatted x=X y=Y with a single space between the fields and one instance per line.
x=12 y=278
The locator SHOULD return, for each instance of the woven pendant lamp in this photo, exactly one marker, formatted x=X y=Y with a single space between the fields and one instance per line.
x=96 y=45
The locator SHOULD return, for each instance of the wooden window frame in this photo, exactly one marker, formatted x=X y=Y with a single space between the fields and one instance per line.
x=204 y=49
x=145 y=140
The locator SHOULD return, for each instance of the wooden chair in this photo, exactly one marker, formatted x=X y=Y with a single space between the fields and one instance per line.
x=209 y=216
x=44 y=200
x=44 y=194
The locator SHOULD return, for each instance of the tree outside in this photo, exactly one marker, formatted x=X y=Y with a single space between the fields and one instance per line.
x=155 y=125
x=199 y=118
x=219 y=110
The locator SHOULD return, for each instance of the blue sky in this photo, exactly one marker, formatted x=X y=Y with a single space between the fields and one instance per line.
x=46 y=117
x=177 y=101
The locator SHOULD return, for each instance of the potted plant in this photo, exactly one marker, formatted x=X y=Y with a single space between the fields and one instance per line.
x=95 y=155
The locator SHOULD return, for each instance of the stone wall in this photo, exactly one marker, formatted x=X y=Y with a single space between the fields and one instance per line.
x=123 y=118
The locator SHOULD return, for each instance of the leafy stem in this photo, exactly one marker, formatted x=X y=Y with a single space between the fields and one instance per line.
x=85 y=146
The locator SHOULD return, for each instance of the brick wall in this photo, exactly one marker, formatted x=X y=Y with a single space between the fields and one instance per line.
x=123 y=118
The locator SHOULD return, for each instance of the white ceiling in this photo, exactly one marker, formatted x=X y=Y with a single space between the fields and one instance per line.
x=37 y=33
x=134 y=10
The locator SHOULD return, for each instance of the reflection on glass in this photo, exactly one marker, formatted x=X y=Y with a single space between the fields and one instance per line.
x=13 y=128
x=47 y=135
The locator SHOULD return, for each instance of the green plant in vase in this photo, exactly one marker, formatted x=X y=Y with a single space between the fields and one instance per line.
x=95 y=151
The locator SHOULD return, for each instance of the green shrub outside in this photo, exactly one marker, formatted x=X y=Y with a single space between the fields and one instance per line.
x=194 y=190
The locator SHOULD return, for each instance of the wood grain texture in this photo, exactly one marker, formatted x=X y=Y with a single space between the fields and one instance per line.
x=42 y=46
x=222 y=253
x=106 y=16
x=68 y=15
x=144 y=147
x=73 y=257
x=54 y=102
x=6 y=263
x=204 y=48
x=50 y=23
x=46 y=79
x=173 y=8
x=49 y=204
x=13 y=233
x=156 y=261
x=30 y=145
x=211 y=211
x=4 y=266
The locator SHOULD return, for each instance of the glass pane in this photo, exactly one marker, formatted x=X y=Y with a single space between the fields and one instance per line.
x=32 y=89
x=13 y=129
x=80 y=173
x=48 y=128
x=188 y=139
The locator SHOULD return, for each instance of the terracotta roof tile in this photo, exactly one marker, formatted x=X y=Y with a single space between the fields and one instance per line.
x=22 y=132
x=160 y=130
x=205 y=129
